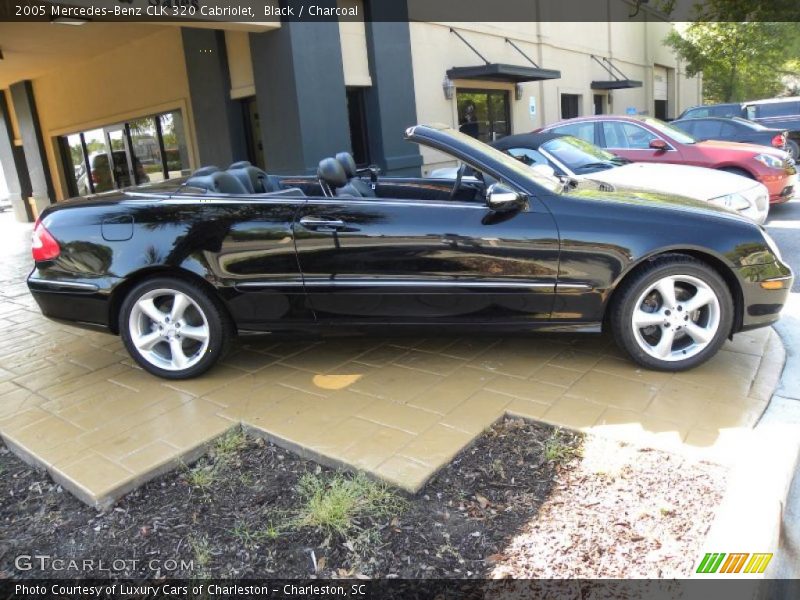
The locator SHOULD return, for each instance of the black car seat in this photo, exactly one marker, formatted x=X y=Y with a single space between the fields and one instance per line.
x=350 y=169
x=253 y=178
x=219 y=182
x=202 y=171
x=334 y=180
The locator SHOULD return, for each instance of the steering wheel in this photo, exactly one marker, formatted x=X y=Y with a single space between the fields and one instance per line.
x=457 y=184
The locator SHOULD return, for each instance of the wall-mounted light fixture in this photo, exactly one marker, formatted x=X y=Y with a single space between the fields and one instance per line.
x=449 y=87
x=518 y=91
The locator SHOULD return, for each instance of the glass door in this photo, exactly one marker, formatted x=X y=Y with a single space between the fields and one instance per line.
x=119 y=156
x=484 y=114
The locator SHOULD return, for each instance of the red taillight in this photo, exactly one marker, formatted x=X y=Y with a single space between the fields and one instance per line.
x=779 y=141
x=44 y=246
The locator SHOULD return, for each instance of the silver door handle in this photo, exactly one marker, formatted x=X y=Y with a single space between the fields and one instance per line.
x=319 y=223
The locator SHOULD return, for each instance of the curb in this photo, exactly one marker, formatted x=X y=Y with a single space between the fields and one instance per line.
x=749 y=518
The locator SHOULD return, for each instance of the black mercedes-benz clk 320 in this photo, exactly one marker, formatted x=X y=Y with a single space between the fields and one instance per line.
x=178 y=268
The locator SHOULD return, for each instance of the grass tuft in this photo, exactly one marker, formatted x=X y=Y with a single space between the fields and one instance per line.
x=559 y=447
x=335 y=504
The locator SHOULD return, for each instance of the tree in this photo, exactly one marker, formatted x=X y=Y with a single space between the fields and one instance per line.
x=739 y=60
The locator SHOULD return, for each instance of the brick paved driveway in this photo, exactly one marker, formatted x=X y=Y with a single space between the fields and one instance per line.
x=73 y=402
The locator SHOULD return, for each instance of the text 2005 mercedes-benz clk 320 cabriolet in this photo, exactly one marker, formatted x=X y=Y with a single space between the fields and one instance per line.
x=178 y=268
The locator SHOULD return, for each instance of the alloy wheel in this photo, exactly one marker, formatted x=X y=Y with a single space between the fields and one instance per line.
x=169 y=329
x=676 y=317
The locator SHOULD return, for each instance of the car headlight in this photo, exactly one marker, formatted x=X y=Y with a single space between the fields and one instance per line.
x=732 y=201
x=770 y=161
x=773 y=246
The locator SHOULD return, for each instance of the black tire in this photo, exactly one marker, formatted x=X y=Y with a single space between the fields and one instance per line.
x=219 y=329
x=632 y=288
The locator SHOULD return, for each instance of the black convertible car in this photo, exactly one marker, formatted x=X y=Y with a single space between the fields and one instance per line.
x=178 y=268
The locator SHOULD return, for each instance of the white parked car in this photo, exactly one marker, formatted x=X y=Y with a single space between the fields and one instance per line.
x=577 y=160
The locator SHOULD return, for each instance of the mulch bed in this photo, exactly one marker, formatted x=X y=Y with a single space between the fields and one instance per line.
x=520 y=502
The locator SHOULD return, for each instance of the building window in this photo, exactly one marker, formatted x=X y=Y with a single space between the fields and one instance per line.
x=147 y=149
x=484 y=114
x=570 y=105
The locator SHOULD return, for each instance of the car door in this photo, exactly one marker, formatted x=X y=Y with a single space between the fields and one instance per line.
x=246 y=243
x=632 y=141
x=388 y=260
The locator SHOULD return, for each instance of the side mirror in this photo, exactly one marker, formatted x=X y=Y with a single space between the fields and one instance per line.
x=659 y=145
x=500 y=198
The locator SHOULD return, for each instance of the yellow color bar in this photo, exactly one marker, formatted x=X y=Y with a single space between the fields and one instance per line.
x=758 y=563
x=774 y=284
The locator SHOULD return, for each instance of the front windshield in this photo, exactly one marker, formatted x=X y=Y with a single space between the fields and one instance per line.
x=580 y=156
x=676 y=134
x=552 y=184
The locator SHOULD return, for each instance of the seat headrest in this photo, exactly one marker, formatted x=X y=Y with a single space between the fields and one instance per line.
x=219 y=182
x=203 y=171
x=331 y=172
x=244 y=178
x=240 y=164
x=348 y=163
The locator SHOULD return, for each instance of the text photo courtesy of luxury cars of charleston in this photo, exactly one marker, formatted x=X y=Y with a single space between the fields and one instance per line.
x=622 y=224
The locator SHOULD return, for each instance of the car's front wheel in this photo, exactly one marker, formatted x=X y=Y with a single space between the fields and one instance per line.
x=173 y=328
x=673 y=314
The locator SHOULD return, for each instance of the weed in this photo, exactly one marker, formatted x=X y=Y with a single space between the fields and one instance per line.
x=202 y=476
x=228 y=445
x=250 y=538
x=335 y=504
x=559 y=447
x=201 y=550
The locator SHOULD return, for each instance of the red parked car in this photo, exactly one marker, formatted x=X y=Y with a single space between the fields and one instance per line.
x=645 y=139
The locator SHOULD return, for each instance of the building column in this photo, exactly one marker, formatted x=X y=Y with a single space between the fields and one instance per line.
x=38 y=169
x=390 y=102
x=218 y=120
x=13 y=164
x=300 y=93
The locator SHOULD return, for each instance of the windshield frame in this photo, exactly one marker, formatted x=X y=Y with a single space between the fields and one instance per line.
x=663 y=128
x=473 y=152
x=601 y=155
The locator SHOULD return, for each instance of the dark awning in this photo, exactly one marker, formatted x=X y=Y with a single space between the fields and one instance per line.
x=616 y=84
x=504 y=73
x=619 y=80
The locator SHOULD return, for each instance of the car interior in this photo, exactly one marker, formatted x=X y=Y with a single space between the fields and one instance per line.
x=336 y=177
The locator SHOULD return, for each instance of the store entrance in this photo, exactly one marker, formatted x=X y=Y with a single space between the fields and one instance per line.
x=147 y=149
x=484 y=114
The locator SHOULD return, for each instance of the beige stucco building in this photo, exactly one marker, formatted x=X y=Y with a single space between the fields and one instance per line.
x=91 y=106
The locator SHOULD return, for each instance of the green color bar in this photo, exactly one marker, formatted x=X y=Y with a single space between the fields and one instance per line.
x=701 y=566
x=716 y=565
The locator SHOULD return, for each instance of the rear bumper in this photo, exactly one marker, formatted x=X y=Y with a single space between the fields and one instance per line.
x=79 y=303
x=765 y=289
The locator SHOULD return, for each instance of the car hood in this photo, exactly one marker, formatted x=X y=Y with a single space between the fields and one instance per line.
x=744 y=149
x=692 y=182
x=589 y=190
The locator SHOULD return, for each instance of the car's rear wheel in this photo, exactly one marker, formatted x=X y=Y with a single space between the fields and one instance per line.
x=173 y=328
x=673 y=314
